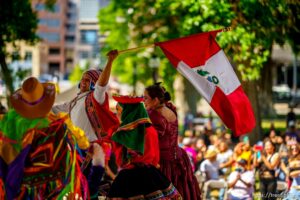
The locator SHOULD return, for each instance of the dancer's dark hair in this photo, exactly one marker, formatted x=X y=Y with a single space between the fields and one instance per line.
x=156 y=90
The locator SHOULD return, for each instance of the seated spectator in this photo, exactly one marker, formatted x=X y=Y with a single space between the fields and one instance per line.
x=284 y=156
x=292 y=133
x=191 y=152
x=247 y=154
x=223 y=156
x=214 y=142
x=210 y=166
x=201 y=149
x=241 y=182
x=294 y=173
x=237 y=153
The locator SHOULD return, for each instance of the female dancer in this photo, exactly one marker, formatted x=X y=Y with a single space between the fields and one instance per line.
x=135 y=144
x=174 y=162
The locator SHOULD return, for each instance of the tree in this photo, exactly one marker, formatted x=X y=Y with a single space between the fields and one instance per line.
x=256 y=26
x=17 y=22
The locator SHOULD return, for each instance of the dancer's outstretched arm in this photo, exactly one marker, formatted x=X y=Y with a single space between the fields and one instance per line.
x=104 y=76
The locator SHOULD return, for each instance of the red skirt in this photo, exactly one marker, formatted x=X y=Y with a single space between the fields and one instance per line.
x=175 y=165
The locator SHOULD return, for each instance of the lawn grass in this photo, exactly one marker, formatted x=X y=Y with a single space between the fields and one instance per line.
x=278 y=123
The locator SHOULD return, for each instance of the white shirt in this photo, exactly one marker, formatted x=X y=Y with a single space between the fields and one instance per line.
x=211 y=169
x=78 y=112
x=240 y=190
x=224 y=156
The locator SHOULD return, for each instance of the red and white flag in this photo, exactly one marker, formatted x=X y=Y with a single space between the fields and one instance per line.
x=201 y=60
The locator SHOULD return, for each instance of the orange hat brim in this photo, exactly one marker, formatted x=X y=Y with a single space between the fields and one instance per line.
x=38 y=110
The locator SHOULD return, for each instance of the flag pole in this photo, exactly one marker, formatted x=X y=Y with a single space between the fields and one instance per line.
x=136 y=48
x=152 y=45
x=226 y=29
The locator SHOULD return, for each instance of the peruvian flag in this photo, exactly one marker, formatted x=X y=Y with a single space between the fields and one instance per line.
x=201 y=60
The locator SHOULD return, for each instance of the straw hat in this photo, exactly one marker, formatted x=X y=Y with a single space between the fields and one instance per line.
x=210 y=153
x=33 y=99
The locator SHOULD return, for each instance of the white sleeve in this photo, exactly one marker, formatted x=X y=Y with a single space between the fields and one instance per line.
x=202 y=167
x=249 y=177
x=99 y=93
x=232 y=177
x=61 y=108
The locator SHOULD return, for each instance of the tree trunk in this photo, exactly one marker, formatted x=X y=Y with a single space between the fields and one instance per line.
x=265 y=90
x=186 y=97
x=251 y=89
x=6 y=75
x=192 y=96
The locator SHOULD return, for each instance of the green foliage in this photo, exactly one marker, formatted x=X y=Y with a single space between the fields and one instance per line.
x=18 y=22
x=76 y=74
x=256 y=26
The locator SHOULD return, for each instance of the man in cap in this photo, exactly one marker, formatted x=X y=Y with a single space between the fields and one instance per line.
x=89 y=110
x=210 y=166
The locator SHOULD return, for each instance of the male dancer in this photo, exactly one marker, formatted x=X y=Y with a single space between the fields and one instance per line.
x=89 y=110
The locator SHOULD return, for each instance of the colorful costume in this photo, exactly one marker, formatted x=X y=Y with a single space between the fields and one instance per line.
x=90 y=112
x=174 y=161
x=135 y=144
x=38 y=159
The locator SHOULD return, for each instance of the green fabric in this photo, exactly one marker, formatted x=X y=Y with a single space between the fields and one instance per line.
x=133 y=135
x=14 y=126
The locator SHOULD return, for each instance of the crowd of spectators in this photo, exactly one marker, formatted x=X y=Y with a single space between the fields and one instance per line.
x=247 y=170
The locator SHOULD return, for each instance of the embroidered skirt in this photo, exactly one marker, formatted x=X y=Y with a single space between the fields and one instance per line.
x=143 y=182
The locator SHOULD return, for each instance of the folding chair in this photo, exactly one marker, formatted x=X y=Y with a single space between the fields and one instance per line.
x=282 y=188
x=201 y=178
x=214 y=184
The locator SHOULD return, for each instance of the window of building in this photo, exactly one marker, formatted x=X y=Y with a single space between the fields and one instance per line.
x=49 y=22
x=53 y=68
x=56 y=8
x=43 y=22
x=70 y=38
x=83 y=54
x=88 y=36
x=51 y=37
x=71 y=5
x=54 y=51
x=53 y=22
x=71 y=27
x=15 y=56
x=28 y=56
x=69 y=53
x=40 y=6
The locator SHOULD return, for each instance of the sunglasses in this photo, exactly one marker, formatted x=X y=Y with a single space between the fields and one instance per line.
x=294 y=149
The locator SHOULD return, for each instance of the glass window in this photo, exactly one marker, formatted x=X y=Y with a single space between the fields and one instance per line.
x=49 y=22
x=40 y=6
x=51 y=37
x=70 y=38
x=88 y=36
x=54 y=51
x=56 y=8
x=53 y=68
x=71 y=27
x=15 y=56
x=43 y=22
x=53 y=23
x=28 y=56
x=83 y=54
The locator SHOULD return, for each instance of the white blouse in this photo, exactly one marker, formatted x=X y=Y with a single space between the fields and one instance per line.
x=78 y=112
